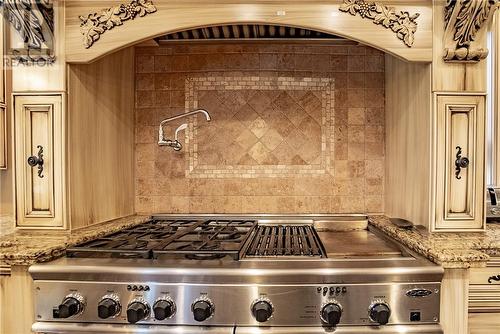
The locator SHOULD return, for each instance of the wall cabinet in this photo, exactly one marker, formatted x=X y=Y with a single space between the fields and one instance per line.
x=459 y=162
x=39 y=155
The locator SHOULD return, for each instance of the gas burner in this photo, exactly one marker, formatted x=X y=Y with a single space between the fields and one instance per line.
x=207 y=238
x=204 y=256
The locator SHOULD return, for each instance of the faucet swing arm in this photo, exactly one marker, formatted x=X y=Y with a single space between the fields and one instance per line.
x=177 y=146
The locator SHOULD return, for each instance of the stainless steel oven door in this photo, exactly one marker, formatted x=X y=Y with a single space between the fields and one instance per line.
x=394 y=329
x=80 y=328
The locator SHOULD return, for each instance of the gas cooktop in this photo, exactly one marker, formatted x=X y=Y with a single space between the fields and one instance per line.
x=203 y=239
x=239 y=274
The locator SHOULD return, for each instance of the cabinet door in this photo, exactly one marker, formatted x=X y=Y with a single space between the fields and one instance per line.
x=460 y=136
x=39 y=158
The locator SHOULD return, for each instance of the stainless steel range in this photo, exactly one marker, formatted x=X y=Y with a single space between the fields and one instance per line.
x=239 y=274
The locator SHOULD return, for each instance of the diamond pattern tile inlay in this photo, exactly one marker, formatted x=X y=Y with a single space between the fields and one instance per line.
x=261 y=126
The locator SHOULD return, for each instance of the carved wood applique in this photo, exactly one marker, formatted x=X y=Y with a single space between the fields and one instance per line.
x=95 y=24
x=402 y=23
x=33 y=20
x=464 y=20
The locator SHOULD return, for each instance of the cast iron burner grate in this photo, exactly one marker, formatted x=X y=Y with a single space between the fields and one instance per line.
x=197 y=239
x=285 y=240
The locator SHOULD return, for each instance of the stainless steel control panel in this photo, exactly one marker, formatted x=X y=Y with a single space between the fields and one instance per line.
x=221 y=305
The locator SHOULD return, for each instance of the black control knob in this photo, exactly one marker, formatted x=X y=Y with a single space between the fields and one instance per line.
x=163 y=309
x=136 y=311
x=107 y=308
x=331 y=313
x=262 y=310
x=202 y=310
x=70 y=306
x=380 y=312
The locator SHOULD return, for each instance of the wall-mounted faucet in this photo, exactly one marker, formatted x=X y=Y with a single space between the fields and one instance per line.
x=176 y=144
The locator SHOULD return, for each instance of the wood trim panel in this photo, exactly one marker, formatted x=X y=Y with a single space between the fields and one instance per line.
x=178 y=15
x=495 y=96
x=101 y=133
x=408 y=103
x=454 y=298
x=3 y=137
x=460 y=123
x=39 y=123
x=484 y=323
x=3 y=97
x=16 y=301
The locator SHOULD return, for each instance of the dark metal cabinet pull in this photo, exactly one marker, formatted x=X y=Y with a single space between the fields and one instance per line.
x=37 y=160
x=460 y=162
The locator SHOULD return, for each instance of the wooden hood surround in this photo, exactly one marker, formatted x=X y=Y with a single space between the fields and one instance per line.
x=96 y=28
x=435 y=70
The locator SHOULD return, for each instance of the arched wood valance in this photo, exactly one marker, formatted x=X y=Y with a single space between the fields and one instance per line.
x=96 y=28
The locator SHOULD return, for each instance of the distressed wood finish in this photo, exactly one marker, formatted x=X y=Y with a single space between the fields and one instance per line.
x=179 y=15
x=454 y=298
x=484 y=298
x=3 y=137
x=459 y=200
x=402 y=23
x=3 y=98
x=2 y=66
x=17 y=312
x=45 y=77
x=39 y=122
x=464 y=22
x=484 y=323
x=101 y=139
x=454 y=77
x=408 y=133
x=496 y=97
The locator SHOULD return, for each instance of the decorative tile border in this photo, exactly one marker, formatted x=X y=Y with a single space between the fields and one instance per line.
x=195 y=85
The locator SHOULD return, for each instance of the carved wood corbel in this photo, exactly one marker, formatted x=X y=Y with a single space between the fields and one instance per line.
x=95 y=24
x=33 y=20
x=464 y=20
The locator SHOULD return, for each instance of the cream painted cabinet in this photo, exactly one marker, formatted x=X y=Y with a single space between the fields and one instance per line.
x=484 y=298
x=2 y=53
x=3 y=99
x=3 y=137
x=459 y=162
x=39 y=156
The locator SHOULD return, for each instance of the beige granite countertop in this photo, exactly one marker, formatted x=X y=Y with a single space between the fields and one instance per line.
x=451 y=250
x=25 y=247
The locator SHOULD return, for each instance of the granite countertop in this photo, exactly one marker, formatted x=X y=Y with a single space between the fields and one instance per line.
x=25 y=247
x=450 y=250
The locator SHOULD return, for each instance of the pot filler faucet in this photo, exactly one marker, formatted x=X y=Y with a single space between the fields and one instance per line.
x=176 y=144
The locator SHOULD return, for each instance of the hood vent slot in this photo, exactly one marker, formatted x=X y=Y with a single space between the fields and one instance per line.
x=248 y=32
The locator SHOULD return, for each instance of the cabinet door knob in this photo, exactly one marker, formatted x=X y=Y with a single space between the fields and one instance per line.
x=37 y=160
x=460 y=162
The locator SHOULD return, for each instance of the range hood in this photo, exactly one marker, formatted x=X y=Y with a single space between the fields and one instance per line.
x=254 y=32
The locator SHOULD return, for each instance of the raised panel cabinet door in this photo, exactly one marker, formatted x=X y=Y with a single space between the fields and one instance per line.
x=39 y=157
x=460 y=136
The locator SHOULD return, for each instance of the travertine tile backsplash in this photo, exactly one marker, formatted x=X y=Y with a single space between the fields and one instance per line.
x=295 y=128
